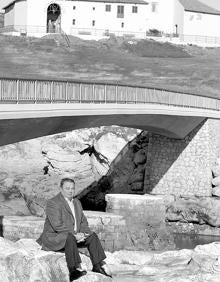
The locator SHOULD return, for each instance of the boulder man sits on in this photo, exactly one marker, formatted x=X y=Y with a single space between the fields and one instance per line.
x=66 y=228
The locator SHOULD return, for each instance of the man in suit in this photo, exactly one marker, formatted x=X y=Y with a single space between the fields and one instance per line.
x=66 y=228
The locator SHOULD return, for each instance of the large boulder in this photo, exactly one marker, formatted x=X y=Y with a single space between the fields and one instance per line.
x=196 y=210
x=23 y=261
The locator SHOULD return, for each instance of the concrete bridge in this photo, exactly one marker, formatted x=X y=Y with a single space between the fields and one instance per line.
x=184 y=128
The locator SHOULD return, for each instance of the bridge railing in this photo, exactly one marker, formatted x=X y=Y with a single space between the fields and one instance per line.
x=51 y=91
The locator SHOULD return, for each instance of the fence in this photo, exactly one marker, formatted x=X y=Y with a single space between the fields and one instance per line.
x=54 y=91
x=42 y=30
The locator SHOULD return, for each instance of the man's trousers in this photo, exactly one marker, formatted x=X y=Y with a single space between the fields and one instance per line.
x=93 y=244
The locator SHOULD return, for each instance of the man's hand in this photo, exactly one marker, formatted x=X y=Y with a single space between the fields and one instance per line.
x=80 y=237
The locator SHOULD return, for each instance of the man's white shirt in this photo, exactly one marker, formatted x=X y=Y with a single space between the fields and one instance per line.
x=71 y=205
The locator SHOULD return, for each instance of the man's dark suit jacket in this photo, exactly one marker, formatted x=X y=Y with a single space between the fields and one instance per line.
x=60 y=221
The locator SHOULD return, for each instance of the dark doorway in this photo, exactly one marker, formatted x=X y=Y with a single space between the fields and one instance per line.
x=54 y=18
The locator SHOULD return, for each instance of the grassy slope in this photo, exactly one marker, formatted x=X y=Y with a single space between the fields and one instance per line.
x=1 y=20
x=144 y=63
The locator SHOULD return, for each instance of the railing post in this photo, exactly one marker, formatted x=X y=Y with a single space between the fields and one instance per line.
x=80 y=92
x=0 y=90
x=35 y=91
x=136 y=91
x=51 y=92
x=105 y=93
x=93 y=93
x=17 y=91
x=66 y=91
x=116 y=92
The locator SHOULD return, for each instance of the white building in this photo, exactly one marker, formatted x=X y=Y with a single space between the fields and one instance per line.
x=188 y=17
x=122 y=16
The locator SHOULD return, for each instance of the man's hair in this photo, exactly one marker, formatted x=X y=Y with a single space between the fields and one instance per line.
x=66 y=179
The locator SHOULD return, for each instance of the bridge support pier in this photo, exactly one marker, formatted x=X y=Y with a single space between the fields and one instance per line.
x=183 y=166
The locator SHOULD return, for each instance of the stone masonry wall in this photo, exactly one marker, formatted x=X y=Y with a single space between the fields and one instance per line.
x=110 y=228
x=145 y=219
x=183 y=167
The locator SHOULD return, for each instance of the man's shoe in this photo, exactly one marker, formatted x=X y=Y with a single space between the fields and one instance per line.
x=76 y=274
x=97 y=268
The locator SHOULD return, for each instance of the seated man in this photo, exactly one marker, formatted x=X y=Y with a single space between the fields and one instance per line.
x=66 y=228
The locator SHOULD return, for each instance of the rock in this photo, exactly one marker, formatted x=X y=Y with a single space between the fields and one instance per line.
x=34 y=168
x=216 y=181
x=173 y=258
x=137 y=175
x=140 y=157
x=23 y=261
x=196 y=210
x=216 y=191
x=137 y=186
x=216 y=170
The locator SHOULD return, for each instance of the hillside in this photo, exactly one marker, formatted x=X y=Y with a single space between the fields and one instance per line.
x=180 y=68
x=1 y=20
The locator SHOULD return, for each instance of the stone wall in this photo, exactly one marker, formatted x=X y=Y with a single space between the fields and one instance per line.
x=145 y=219
x=110 y=228
x=183 y=167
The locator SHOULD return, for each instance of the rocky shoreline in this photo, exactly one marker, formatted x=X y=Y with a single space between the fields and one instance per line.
x=23 y=261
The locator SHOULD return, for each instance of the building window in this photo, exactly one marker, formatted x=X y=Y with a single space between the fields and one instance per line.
x=74 y=21
x=134 y=9
x=93 y=8
x=74 y=7
x=120 y=11
x=154 y=7
x=122 y=25
x=108 y=8
x=93 y=23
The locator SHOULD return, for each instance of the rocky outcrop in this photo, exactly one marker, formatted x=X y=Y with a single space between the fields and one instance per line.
x=30 y=171
x=196 y=210
x=23 y=261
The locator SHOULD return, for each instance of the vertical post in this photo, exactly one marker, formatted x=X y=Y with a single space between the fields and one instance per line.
x=0 y=90
x=17 y=91
x=116 y=93
x=51 y=92
x=80 y=92
x=66 y=91
x=136 y=91
x=35 y=91
x=105 y=93
x=93 y=93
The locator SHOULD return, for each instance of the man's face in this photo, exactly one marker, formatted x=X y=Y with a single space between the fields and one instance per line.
x=68 y=190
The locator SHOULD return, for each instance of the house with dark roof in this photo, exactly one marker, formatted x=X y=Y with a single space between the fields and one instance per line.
x=188 y=17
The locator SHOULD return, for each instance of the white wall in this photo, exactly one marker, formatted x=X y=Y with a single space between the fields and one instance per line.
x=167 y=15
x=9 y=16
x=84 y=15
x=201 y=24
x=20 y=16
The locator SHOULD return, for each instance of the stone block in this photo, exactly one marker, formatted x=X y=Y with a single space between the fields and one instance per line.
x=216 y=191
x=216 y=181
